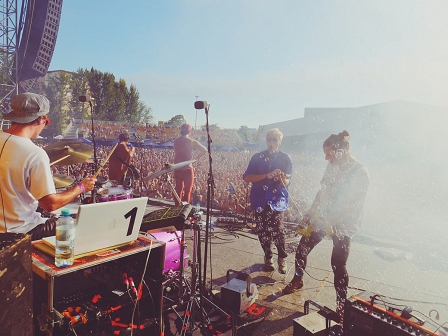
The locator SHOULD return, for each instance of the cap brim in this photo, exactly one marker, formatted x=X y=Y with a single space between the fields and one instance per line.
x=11 y=116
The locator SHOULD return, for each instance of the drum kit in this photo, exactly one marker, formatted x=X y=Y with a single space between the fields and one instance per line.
x=70 y=152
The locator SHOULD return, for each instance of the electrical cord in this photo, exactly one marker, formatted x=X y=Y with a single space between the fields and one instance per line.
x=421 y=313
x=138 y=294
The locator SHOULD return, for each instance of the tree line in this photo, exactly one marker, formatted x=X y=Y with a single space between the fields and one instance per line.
x=112 y=99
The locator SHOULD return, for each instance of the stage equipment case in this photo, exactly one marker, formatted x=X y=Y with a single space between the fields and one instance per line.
x=16 y=285
x=94 y=295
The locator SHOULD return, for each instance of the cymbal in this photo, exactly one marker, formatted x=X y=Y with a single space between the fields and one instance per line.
x=168 y=168
x=62 y=181
x=78 y=151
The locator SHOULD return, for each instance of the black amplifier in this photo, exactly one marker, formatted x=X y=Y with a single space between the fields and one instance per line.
x=363 y=317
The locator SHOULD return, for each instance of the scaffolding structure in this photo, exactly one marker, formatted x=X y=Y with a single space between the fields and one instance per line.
x=11 y=25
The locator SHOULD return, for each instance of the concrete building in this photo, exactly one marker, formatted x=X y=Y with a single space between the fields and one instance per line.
x=391 y=128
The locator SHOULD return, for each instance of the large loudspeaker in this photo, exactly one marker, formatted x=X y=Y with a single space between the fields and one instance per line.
x=38 y=41
x=16 y=283
x=364 y=318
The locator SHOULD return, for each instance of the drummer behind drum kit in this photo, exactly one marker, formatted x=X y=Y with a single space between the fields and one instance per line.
x=74 y=151
x=69 y=152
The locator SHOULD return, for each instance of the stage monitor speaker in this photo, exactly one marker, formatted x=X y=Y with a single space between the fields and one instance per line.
x=16 y=294
x=362 y=317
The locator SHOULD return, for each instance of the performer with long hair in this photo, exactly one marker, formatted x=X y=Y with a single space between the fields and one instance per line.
x=337 y=211
x=120 y=157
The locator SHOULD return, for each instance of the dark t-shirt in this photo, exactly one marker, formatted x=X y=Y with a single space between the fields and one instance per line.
x=116 y=167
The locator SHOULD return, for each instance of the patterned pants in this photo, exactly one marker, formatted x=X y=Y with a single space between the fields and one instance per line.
x=339 y=256
x=269 y=228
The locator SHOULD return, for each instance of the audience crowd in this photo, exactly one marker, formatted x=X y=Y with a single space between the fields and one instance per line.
x=231 y=193
x=156 y=133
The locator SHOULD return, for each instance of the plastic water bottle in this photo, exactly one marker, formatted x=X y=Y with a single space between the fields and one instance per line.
x=197 y=208
x=65 y=240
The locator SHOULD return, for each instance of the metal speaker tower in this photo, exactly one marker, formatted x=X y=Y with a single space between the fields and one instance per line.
x=9 y=42
x=28 y=40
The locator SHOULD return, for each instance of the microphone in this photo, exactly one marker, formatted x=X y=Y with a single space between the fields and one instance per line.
x=86 y=99
x=199 y=105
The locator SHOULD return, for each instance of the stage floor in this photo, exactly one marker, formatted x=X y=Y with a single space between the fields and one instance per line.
x=378 y=267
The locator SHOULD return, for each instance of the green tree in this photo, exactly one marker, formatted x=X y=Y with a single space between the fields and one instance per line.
x=177 y=121
x=211 y=127
x=244 y=133
x=79 y=88
x=111 y=99
x=131 y=104
x=117 y=102
x=144 y=112
x=59 y=94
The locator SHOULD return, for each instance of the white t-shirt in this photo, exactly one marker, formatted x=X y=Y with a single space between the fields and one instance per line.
x=25 y=177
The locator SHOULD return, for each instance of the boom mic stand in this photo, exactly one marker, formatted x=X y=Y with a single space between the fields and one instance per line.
x=245 y=207
x=139 y=142
x=88 y=99
x=210 y=196
x=197 y=251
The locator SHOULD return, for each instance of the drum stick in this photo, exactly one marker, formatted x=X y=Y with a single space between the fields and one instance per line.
x=59 y=160
x=105 y=160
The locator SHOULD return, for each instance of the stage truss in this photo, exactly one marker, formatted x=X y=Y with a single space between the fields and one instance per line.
x=11 y=26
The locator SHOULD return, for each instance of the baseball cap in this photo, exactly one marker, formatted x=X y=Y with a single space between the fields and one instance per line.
x=27 y=107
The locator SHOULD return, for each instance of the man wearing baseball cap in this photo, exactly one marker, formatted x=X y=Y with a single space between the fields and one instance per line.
x=25 y=175
x=183 y=151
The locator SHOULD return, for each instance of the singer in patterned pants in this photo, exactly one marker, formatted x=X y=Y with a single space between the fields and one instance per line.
x=269 y=172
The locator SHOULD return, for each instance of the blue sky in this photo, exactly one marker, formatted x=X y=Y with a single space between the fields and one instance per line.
x=258 y=62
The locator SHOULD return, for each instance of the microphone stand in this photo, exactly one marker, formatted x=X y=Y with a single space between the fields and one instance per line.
x=189 y=319
x=139 y=142
x=95 y=160
x=210 y=195
x=245 y=208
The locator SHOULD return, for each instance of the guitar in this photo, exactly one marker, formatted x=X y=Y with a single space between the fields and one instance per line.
x=305 y=228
